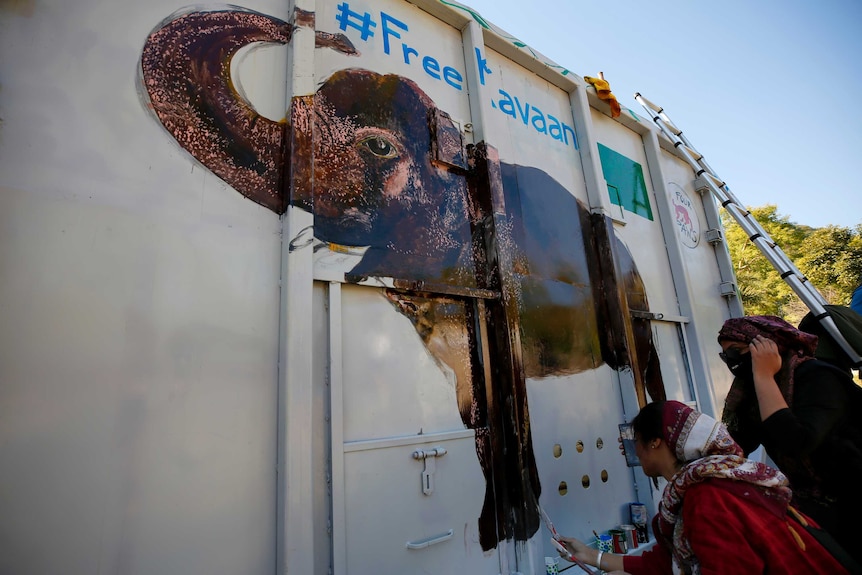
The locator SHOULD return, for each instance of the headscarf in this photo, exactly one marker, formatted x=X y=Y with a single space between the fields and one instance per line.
x=794 y=346
x=741 y=411
x=785 y=335
x=708 y=452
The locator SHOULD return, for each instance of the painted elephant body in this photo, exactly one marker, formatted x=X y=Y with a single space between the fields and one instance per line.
x=380 y=167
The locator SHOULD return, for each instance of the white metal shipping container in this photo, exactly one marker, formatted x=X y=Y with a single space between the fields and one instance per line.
x=328 y=287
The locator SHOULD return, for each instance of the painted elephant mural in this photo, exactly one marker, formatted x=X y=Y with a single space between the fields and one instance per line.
x=383 y=169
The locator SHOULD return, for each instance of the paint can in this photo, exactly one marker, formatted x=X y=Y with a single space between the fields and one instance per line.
x=638 y=513
x=639 y=520
x=619 y=541
x=552 y=566
x=631 y=536
x=605 y=543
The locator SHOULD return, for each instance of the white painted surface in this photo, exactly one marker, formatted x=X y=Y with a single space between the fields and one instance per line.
x=300 y=545
x=708 y=309
x=139 y=304
x=517 y=137
x=579 y=413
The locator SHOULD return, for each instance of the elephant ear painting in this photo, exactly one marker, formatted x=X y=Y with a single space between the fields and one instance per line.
x=385 y=174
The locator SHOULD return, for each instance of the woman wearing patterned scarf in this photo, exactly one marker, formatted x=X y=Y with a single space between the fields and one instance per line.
x=720 y=513
x=802 y=411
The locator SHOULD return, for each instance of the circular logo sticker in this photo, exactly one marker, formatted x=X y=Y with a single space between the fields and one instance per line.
x=684 y=215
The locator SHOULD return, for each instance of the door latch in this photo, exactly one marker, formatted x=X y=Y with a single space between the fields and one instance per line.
x=428 y=456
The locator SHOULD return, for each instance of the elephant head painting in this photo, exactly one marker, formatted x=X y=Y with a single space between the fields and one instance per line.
x=381 y=168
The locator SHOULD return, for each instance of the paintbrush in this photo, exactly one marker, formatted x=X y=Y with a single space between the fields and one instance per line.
x=555 y=539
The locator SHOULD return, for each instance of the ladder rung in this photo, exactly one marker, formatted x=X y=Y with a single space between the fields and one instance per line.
x=676 y=131
x=695 y=155
x=740 y=216
x=647 y=104
x=719 y=183
x=758 y=237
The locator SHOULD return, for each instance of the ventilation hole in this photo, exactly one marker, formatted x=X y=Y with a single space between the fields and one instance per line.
x=599 y=443
x=585 y=481
x=563 y=488
x=604 y=475
x=580 y=446
x=558 y=451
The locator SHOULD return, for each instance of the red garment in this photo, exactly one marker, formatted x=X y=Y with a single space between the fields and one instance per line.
x=711 y=455
x=732 y=535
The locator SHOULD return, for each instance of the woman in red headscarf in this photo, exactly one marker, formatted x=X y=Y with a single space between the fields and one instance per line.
x=720 y=513
x=802 y=411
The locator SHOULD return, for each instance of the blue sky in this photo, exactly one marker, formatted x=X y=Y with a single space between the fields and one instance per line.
x=764 y=89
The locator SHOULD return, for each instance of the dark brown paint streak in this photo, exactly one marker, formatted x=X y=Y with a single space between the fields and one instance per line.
x=337 y=42
x=646 y=364
x=558 y=318
x=619 y=289
x=303 y=18
x=607 y=291
x=515 y=476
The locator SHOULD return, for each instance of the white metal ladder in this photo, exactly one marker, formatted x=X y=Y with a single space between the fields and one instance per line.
x=707 y=179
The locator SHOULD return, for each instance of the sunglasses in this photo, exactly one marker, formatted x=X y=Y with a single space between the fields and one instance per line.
x=731 y=357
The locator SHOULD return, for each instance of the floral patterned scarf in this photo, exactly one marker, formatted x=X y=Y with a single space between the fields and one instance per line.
x=710 y=453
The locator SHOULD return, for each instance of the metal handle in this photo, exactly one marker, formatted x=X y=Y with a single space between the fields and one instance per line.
x=423 y=543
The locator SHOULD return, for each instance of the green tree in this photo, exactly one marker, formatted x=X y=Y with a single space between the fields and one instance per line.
x=830 y=257
x=761 y=288
x=833 y=259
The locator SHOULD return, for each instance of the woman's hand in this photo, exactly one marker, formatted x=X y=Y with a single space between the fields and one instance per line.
x=765 y=363
x=610 y=562
x=579 y=549
x=765 y=359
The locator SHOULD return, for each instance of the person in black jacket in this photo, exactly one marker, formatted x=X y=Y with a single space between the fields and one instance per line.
x=805 y=413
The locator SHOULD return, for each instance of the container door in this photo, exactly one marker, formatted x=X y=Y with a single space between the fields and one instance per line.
x=408 y=486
